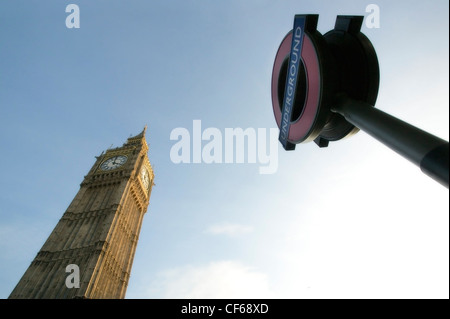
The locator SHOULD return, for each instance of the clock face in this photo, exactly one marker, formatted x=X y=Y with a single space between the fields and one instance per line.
x=113 y=162
x=145 y=178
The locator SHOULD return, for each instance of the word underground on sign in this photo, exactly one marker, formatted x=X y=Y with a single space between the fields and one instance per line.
x=226 y=148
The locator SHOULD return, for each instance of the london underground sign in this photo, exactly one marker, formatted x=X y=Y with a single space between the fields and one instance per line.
x=324 y=88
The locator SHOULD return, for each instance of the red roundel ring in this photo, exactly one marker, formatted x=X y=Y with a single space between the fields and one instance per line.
x=303 y=129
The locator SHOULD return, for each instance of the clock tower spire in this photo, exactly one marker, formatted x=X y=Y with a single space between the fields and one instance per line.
x=90 y=252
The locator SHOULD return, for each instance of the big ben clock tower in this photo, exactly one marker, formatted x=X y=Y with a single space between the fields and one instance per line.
x=95 y=240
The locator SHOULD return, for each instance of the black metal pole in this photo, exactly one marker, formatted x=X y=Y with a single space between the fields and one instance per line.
x=425 y=150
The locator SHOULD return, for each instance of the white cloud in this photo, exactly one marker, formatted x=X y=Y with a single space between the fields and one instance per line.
x=216 y=280
x=229 y=229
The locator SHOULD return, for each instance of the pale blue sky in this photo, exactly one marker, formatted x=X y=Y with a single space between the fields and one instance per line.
x=353 y=220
